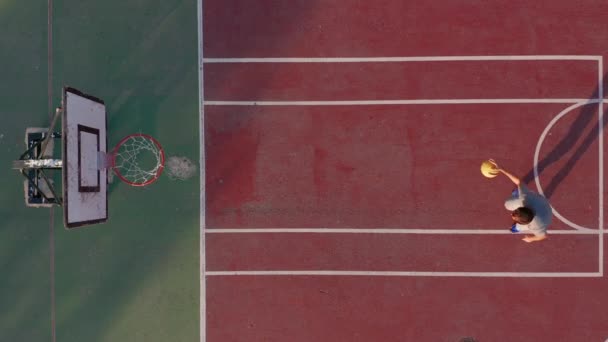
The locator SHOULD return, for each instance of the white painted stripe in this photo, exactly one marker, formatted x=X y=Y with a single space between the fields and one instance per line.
x=393 y=102
x=600 y=87
x=504 y=231
x=410 y=274
x=202 y=199
x=51 y=112
x=403 y=59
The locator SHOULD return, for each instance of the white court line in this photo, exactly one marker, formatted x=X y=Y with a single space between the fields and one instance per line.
x=404 y=59
x=410 y=274
x=52 y=210
x=392 y=102
x=385 y=231
x=202 y=199
x=600 y=132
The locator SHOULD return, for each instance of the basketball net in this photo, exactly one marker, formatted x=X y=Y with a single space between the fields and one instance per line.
x=138 y=159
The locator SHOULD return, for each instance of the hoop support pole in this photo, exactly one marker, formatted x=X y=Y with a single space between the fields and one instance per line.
x=45 y=142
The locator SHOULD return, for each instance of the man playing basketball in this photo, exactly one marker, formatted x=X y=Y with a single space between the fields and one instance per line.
x=531 y=212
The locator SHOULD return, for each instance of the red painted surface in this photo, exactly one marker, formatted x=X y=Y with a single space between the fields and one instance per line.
x=414 y=166
x=400 y=81
x=405 y=309
x=399 y=166
x=233 y=151
x=322 y=28
x=400 y=252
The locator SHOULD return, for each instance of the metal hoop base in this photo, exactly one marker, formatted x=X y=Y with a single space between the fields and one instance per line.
x=38 y=189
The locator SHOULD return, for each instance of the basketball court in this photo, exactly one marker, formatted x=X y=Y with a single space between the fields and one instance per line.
x=305 y=171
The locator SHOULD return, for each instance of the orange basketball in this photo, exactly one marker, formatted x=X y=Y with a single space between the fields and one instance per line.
x=488 y=169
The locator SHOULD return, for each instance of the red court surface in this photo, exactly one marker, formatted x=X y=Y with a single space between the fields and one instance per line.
x=343 y=195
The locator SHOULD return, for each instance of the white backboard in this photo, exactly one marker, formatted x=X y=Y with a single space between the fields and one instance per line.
x=85 y=185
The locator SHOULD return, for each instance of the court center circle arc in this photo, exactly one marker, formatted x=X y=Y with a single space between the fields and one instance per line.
x=536 y=157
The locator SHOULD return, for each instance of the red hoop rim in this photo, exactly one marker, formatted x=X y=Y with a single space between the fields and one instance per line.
x=160 y=168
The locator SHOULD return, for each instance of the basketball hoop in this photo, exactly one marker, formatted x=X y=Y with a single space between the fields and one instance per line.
x=85 y=161
x=138 y=159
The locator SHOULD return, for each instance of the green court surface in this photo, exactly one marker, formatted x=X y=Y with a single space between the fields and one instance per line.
x=135 y=278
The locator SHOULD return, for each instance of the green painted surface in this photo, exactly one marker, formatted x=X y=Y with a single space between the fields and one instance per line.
x=136 y=277
x=25 y=313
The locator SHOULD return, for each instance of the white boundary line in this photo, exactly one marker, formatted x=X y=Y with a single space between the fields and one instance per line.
x=383 y=231
x=410 y=274
x=391 y=102
x=202 y=165
x=52 y=210
x=600 y=132
x=403 y=59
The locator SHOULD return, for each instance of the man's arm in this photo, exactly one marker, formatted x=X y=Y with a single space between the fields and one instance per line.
x=513 y=179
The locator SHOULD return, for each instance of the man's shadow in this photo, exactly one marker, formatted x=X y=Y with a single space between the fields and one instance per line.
x=588 y=115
